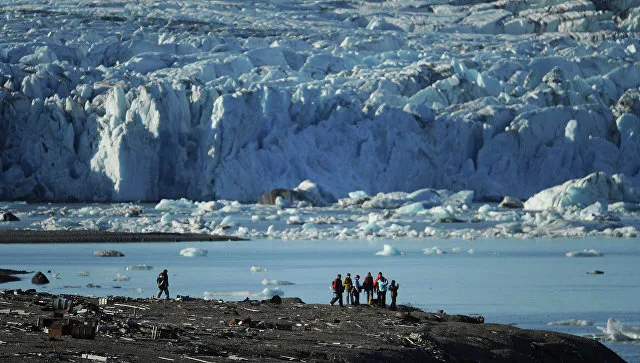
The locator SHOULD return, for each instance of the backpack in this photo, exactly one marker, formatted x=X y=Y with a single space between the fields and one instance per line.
x=334 y=286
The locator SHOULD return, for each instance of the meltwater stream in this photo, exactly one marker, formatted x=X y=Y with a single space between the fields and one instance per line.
x=529 y=283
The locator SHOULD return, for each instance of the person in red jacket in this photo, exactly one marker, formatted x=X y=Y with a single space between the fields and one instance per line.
x=375 y=283
x=338 y=289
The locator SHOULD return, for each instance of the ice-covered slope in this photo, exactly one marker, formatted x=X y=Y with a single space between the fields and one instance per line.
x=229 y=99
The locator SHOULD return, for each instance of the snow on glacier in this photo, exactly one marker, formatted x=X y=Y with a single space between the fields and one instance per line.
x=147 y=102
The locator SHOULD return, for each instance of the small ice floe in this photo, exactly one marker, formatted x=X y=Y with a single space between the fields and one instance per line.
x=56 y=275
x=456 y=250
x=193 y=252
x=108 y=253
x=121 y=277
x=138 y=290
x=82 y=274
x=435 y=250
x=276 y=282
x=389 y=250
x=211 y=294
x=471 y=251
x=258 y=269
x=572 y=322
x=141 y=267
x=616 y=331
x=584 y=253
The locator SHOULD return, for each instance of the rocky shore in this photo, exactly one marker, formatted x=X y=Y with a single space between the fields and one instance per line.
x=117 y=329
x=80 y=236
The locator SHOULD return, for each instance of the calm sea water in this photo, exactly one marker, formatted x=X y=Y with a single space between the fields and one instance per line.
x=524 y=282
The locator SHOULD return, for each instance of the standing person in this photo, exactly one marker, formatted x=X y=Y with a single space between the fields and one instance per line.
x=367 y=285
x=163 y=284
x=394 y=294
x=348 y=285
x=382 y=291
x=375 y=282
x=356 y=290
x=337 y=290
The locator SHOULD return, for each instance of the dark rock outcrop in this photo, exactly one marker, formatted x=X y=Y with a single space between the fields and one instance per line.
x=39 y=279
x=511 y=203
x=9 y=217
x=108 y=253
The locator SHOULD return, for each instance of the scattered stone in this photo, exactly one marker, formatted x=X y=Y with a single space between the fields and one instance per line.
x=108 y=253
x=286 y=194
x=595 y=272
x=276 y=300
x=39 y=279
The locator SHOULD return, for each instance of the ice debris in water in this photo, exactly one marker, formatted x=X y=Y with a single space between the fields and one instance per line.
x=616 y=331
x=584 y=253
x=121 y=277
x=193 y=252
x=257 y=269
x=389 y=250
x=572 y=322
x=435 y=250
x=267 y=292
x=276 y=282
x=141 y=267
x=82 y=273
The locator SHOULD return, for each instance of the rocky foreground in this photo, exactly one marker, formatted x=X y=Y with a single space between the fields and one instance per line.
x=189 y=330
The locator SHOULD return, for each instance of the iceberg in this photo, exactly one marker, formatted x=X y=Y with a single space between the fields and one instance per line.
x=276 y=282
x=616 y=331
x=193 y=252
x=584 y=253
x=257 y=269
x=389 y=250
x=572 y=322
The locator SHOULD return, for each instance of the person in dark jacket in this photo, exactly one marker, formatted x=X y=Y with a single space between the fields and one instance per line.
x=163 y=284
x=338 y=289
x=367 y=286
x=394 y=294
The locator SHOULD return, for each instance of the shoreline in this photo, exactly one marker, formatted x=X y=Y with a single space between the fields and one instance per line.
x=8 y=236
x=279 y=330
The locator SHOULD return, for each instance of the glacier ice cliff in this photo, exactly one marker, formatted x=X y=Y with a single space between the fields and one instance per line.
x=228 y=100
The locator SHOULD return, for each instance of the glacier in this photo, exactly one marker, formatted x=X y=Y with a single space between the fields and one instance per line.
x=144 y=101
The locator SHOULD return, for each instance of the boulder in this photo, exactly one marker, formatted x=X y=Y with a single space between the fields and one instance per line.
x=9 y=217
x=39 y=279
x=511 y=203
x=286 y=194
x=108 y=253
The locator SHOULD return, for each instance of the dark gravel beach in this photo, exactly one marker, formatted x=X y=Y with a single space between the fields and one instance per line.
x=188 y=330
x=78 y=236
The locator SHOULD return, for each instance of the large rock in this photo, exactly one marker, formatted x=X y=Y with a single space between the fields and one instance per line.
x=39 y=279
x=9 y=217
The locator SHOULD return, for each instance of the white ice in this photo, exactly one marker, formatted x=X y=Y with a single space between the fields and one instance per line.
x=389 y=250
x=616 y=331
x=584 y=253
x=193 y=252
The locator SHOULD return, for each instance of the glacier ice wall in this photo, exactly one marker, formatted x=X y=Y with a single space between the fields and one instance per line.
x=102 y=102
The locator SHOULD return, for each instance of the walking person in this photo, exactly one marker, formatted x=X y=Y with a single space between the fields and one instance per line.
x=382 y=291
x=337 y=288
x=367 y=286
x=394 y=294
x=356 y=290
x=163 y=284
x=348 y=285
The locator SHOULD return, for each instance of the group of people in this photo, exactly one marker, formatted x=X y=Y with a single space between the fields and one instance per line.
x=375 y=290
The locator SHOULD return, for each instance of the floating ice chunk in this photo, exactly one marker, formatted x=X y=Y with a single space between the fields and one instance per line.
x=572 y=322
x=616 y=331
x=584 y=253
x=358 y=194
x=121 y=277
x=596 y=187
x=410 y=209
x=389 y=250
x=176 y=206
x=139 y=267
x=267 y=292
x=108 y=253
x=193 y=252
x=456 y=250
x=82 y=274
x=471 y=251
x=257 y=269
x=435 y=250
x=276 y=282
x=593 y=211
x=227 y=222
